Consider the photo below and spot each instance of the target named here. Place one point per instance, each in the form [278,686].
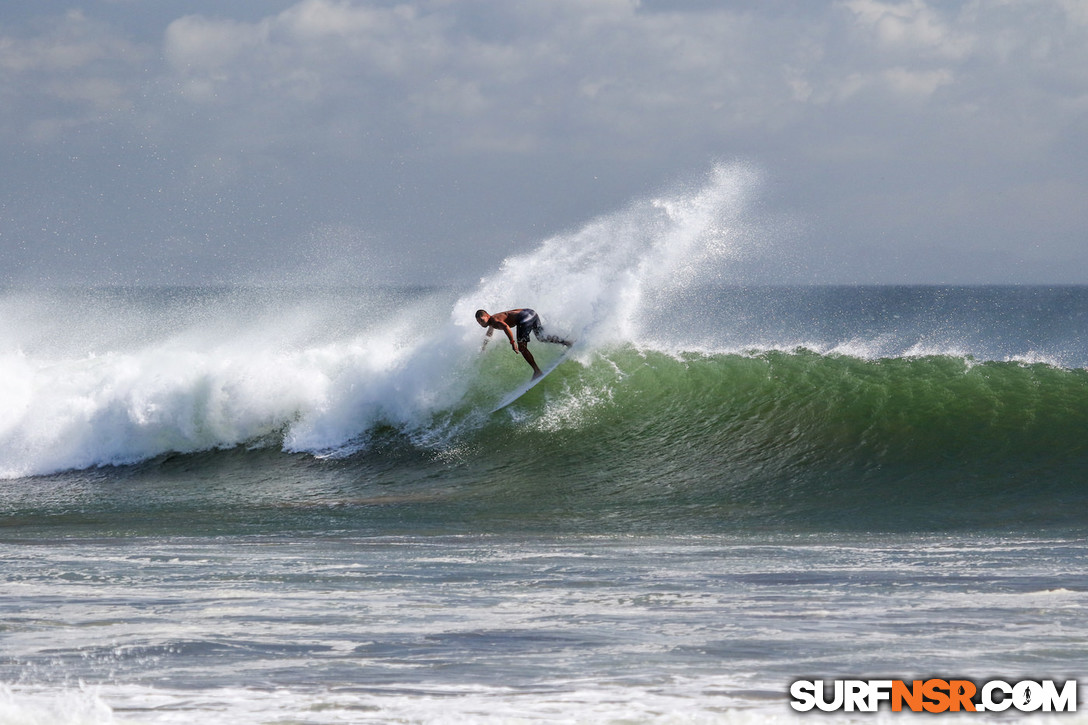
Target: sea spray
[113,377]
[591,283]
[129,375]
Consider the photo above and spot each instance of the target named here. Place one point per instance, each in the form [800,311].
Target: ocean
[278,502]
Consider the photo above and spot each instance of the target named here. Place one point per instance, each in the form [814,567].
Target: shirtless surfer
[526,321]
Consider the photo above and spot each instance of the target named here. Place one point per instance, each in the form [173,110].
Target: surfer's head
[482,317]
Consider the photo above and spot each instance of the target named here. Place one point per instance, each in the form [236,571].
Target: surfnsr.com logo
[934,695]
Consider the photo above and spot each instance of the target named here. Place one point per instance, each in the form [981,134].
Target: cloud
[480,122]
[496,76]
[912,28]
[197,45]
[557,76]
[73,43]
[77,71]
[570,77]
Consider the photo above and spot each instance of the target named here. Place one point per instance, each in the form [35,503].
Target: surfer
[526,321]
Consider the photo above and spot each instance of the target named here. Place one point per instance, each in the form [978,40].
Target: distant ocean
[289,504]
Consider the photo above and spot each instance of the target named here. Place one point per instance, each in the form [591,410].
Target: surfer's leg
[523,346]
[553,338]
[538,330]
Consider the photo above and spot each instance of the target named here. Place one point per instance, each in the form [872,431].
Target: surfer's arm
[509,334]
[487,338]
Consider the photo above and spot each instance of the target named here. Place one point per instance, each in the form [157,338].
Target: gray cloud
[914,141]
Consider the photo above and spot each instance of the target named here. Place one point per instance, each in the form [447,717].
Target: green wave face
[799,436]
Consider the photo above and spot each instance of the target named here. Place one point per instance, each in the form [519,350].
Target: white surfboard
[525,388]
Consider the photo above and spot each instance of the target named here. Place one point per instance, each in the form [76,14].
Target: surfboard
[526,387]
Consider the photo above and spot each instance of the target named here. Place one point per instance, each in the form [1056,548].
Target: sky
[150,142]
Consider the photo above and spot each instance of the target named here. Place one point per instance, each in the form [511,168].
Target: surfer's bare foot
[537,374]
